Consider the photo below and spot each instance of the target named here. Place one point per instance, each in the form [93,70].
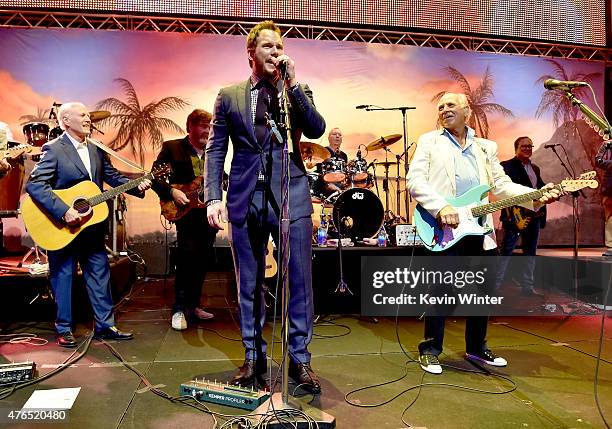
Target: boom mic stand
[284,411]
[402,109]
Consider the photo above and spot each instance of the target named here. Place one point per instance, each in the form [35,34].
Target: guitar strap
[114,154]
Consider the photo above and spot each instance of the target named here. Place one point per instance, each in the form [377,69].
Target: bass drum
[358,213]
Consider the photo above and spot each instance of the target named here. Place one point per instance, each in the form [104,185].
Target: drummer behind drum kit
[342,188]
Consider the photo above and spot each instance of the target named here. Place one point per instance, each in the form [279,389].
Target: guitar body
[437,238]
[271,266]
[521,217]
[52,235]
[172,212]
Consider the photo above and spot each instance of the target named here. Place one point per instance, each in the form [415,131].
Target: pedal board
[224,394]
[11,373]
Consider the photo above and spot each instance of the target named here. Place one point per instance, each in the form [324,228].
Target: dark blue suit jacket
[233,119]
[515,170]
[60,167]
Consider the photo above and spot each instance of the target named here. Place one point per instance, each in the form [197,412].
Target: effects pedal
[11,373]
[224,394]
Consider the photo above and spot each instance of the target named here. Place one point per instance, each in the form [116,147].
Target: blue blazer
[233,119]
[60,167]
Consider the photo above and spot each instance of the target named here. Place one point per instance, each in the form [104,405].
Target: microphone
[362,106]
[371,164]
[551,146]
[282,66]
[564,85]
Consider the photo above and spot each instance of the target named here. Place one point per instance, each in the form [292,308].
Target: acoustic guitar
[86,198]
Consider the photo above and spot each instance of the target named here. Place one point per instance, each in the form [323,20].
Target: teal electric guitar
[473,213]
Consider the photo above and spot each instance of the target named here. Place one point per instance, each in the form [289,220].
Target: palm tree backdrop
[138,126]
[41,115]
[479,100]
[563,112]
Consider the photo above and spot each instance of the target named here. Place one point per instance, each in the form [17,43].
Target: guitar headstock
[15,151]
[585,180]
[161,172]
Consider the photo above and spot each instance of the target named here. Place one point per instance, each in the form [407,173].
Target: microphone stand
[574,202]
[279,401]
[403,109]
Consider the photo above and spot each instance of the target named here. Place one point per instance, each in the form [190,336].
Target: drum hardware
[406,147]
[36,133]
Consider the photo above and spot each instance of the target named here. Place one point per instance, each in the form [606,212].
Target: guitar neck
[508,202]
[111,193]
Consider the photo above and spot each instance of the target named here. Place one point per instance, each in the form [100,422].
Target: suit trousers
[475,326]
[248,241]
[88,251]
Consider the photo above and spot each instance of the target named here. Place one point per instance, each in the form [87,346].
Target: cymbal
[98,115]
[383,141]
[313,152]
[387,163]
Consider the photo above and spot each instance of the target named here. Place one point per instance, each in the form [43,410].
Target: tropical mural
[149,82]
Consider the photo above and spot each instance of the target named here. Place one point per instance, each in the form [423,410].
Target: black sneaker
[430,363]
[488,357]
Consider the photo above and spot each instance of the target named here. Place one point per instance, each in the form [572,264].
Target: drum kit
[343,189]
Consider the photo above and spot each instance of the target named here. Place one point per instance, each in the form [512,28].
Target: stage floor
[551,360]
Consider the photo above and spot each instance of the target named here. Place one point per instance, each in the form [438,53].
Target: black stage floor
[551,362]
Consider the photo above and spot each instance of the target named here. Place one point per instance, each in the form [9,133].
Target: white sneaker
[430,363]
[488,357]
[200,313]
[179,322]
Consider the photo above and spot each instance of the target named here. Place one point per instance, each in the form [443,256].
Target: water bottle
[322,234]
[382,237]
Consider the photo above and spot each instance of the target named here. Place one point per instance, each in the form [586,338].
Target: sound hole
[81,205]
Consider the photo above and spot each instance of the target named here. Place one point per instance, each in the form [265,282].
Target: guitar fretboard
[508,202]
[111,193]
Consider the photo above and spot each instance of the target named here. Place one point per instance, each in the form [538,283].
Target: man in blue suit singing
[254,198]
[66,161]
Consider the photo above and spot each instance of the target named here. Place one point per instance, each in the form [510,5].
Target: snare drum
[334,170]
[36,133]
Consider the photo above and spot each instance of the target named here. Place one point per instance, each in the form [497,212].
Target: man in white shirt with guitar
[66,162]
[447,163]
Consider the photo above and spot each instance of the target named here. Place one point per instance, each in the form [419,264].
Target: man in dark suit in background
[195,237]
[66,161]
[254,198]
[522,171]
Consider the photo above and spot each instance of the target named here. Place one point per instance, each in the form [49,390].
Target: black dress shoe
[251,374]
[305,377]
[66,339]
[113,333]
